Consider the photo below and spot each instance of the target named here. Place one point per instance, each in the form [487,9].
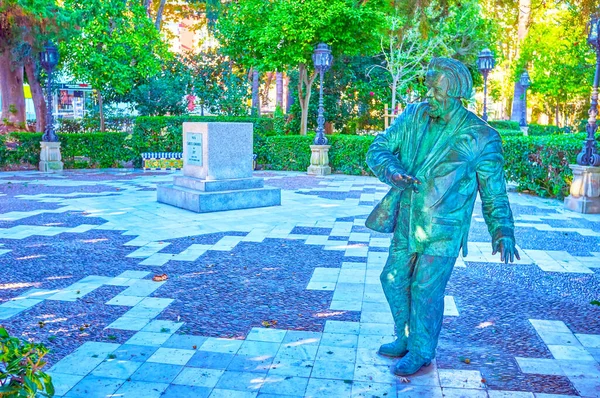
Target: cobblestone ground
[282,301]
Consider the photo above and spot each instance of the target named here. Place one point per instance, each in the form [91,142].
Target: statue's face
[437,94]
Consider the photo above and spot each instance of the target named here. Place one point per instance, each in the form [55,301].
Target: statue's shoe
[395,349]
[410,364]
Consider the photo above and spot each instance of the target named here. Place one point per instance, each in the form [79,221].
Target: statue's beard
[437,108]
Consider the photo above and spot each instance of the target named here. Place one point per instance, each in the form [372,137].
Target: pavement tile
[318,388]
[251,363]
[413,391]
[266,335]
[64,382]
[291,367]
[362,389]
[228,346]
[94,387]
[284,385]
[460,379]
[573,353]
[222,393]
[138,389]
[211,360]
[258,348]
[330,370]
[156,372]
[148,338]
[116,369]
[198,377]
[130,352]
[180,391]
[172,356]
[184,341]
[241,381]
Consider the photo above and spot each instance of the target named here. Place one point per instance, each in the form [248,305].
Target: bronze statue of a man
[436,156]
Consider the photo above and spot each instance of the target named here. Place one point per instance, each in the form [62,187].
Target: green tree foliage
[561,64]
[164,94]
[118,48]
[220,85]
[282,34]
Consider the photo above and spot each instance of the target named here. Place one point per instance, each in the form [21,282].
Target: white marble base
[585,190]
[50,158]
[319,160]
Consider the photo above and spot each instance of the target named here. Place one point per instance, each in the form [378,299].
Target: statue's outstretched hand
[405,180]
[507,249]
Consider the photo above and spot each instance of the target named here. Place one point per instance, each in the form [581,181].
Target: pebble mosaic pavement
[78,251]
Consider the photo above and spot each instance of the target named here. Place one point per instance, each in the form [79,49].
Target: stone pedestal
[50,159]
[217,171]
[585,190]
[319,160]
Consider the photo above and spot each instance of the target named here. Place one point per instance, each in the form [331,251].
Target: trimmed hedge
[80,150]
[504,124]
[291,152]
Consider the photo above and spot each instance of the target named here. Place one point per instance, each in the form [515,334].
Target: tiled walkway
[282,301]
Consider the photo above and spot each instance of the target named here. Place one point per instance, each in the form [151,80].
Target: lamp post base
[319,160]
[50,158]
[585,190]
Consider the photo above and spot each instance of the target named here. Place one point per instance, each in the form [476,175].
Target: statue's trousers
[414,286]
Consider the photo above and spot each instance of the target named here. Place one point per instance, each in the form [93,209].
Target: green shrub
[92,124]
[78,150]
[540,164]
[347,154]
[545,129]
[504,124]
[285,152]
[510,133]
[20,368]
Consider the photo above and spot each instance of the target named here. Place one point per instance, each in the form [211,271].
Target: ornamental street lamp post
[319,160]
[49,60]
[585,189]
[588,155]
[50,158]
[485,63]
[322,60]
[525,82]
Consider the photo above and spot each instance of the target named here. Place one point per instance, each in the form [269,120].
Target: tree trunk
[37,94]
[159,14]
[255,93]
[556,115]
[289,99]
[11,89]
[101,111]
[304,90]
[148,7]
[394,88]
[523,28]
[279,90]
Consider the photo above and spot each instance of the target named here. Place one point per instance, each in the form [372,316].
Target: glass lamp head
[485,61]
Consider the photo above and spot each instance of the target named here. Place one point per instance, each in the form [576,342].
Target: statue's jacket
[466,157]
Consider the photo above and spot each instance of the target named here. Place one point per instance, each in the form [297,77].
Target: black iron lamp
[588,155]
[49,60]
[485,63]
[525,82]
[322,60]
